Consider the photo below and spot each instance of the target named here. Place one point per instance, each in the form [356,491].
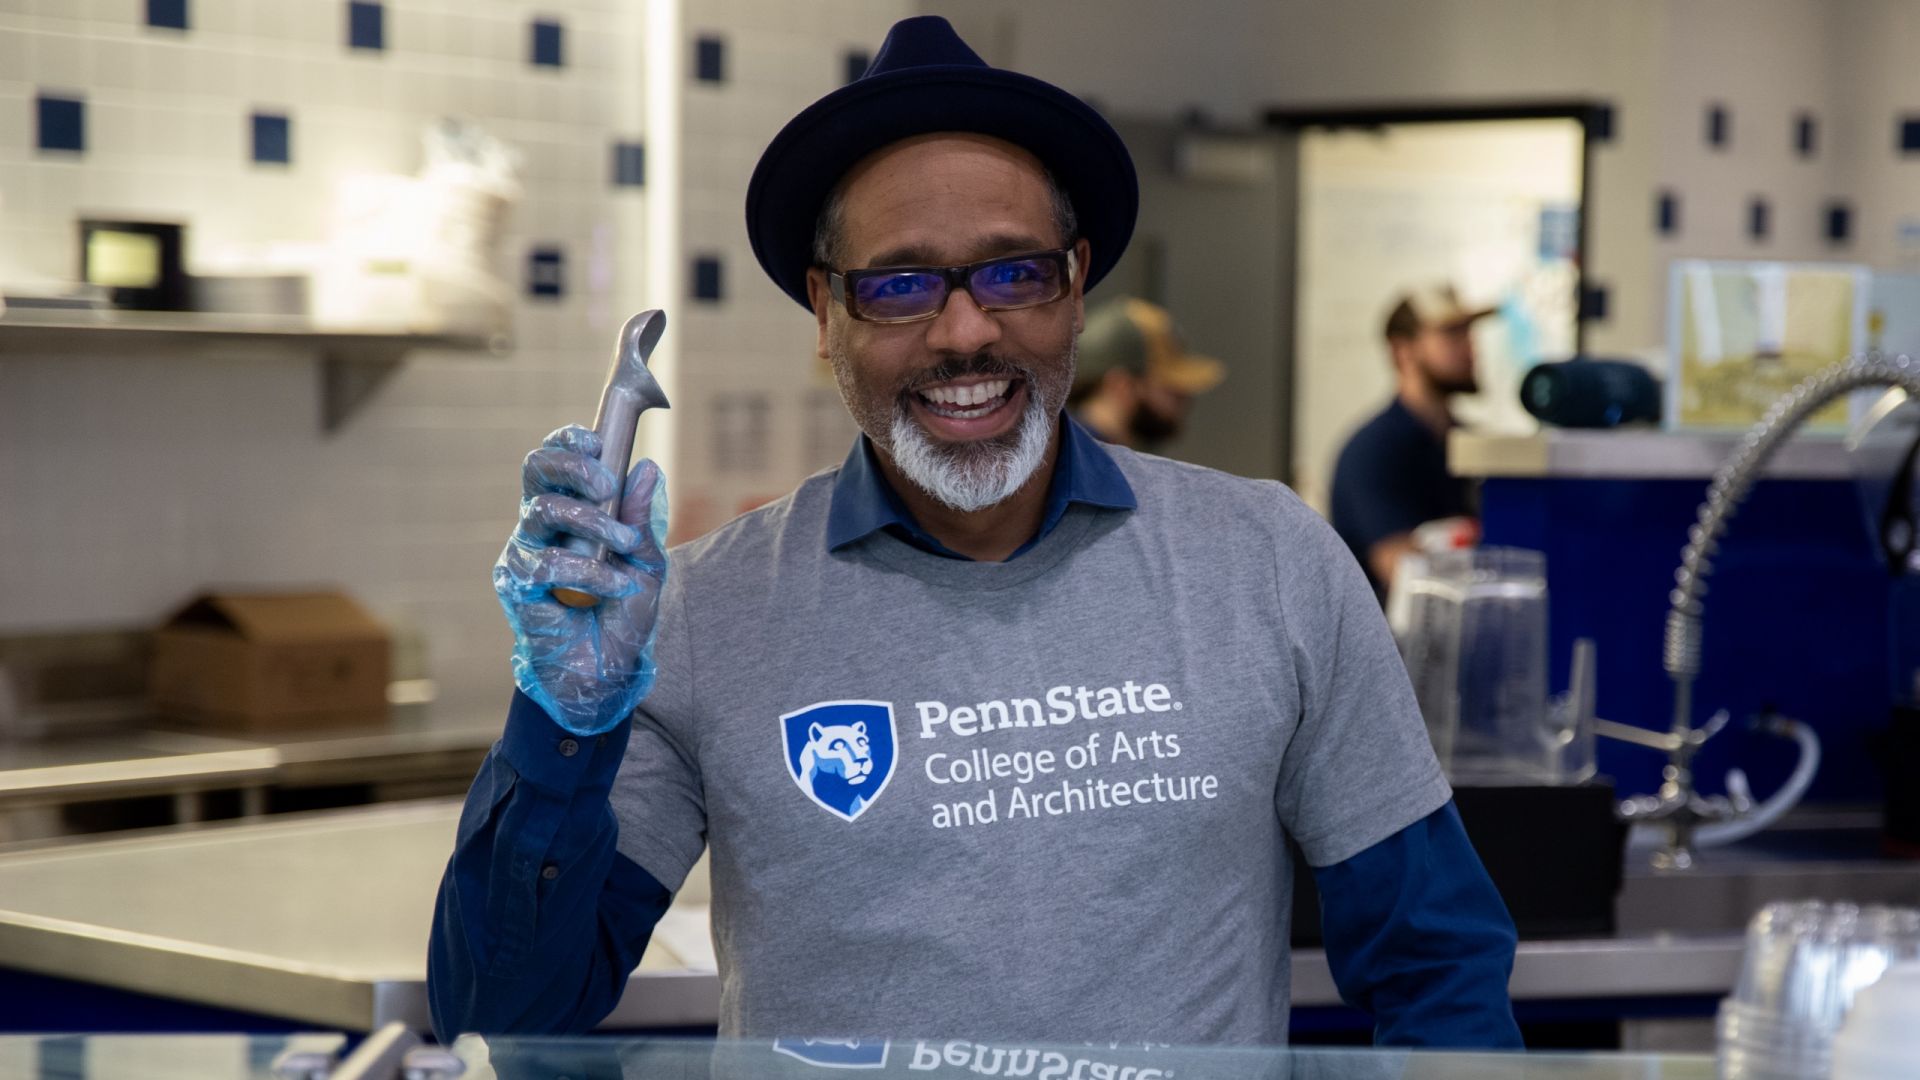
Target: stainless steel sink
[1815,855]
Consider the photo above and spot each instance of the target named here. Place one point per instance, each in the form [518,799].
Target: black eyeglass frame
[840,283]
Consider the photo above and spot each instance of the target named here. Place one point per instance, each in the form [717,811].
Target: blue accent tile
[1594,303]
[546,43]
[1600,123]
[1758,213]
[710,60]
[1839,222]
[1806,135]
[63,123]
[170,14]
[1559,233]
[64,1055]
[366,25]
[629,164]
[1667,214]
[272,139]
[1910,135]
[856,63]
[546,273]
[1719,123]
[706,278]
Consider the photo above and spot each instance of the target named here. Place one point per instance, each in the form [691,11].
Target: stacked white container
[1881,1037]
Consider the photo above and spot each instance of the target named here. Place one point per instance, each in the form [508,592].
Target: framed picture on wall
[1742,334]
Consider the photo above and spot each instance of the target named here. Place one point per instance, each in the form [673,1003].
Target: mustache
[983,364]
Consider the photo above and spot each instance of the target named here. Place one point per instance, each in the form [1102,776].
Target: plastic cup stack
[1805,964]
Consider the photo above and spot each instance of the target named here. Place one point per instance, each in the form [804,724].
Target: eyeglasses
[900,294]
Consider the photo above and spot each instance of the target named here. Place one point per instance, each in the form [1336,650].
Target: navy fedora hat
[925,79]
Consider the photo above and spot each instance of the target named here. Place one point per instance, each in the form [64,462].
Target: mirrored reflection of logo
[840,753]
[836,1053]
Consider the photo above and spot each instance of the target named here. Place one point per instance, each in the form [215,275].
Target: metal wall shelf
[353,364]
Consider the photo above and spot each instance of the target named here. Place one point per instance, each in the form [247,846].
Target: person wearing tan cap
[1391,486]
[1134,381]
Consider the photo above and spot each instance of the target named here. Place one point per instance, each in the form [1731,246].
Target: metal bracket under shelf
[350,380]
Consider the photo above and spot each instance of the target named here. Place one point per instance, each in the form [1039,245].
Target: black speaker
[1589,393]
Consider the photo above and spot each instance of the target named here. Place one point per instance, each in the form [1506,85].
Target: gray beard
[968,476]
[972,476]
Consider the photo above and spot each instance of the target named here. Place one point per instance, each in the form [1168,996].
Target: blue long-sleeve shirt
[539,919]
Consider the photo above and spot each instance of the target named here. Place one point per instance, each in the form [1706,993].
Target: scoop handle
[617,422]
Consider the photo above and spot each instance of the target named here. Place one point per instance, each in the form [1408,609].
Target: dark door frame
[1596,126]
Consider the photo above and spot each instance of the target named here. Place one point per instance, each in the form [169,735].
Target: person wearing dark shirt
[1392,477]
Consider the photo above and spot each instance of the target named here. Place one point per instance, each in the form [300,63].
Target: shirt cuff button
[569,747]
[549,872]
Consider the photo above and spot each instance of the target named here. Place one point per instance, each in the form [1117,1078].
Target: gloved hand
[587,667]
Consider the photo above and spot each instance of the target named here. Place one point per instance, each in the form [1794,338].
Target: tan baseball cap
[1436,306]
[1133,335]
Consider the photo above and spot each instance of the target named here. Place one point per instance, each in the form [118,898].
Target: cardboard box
[267,661]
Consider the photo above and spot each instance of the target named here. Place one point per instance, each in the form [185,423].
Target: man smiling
[992,730]
[975,429]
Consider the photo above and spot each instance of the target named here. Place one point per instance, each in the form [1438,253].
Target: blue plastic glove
[587,667]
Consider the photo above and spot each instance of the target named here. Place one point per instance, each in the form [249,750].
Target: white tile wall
[1657,61]
[756,342]
[129,481]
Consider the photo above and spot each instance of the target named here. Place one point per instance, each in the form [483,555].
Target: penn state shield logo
[840,753]
[836,1053]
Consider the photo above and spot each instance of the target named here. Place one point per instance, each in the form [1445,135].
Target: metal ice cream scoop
[631,390]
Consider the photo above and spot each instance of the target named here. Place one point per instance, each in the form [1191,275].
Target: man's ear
[819,296]
[1397,353]
[1082,256]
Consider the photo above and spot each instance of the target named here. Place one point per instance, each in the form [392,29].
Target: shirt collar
[864,503]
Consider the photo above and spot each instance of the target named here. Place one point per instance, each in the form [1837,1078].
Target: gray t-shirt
[1045,799]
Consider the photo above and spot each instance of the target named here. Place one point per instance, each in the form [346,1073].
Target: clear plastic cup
[1804,967]
[1475,645]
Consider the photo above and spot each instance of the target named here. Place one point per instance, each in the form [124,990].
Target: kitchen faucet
[1677,807]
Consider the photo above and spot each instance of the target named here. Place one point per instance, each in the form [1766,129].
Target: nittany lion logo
[840,753]
[836,1053]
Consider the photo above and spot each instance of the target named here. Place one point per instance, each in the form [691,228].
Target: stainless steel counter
[422,750]
[1631,966]
[1811,855]
[140,762]
[1633,453]
[324,918]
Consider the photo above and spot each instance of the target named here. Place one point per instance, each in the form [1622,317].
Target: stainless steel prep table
[320,918]
[45,773]
[324,919]
[423,750]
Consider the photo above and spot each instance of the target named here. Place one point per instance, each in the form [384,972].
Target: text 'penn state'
[1058,706]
